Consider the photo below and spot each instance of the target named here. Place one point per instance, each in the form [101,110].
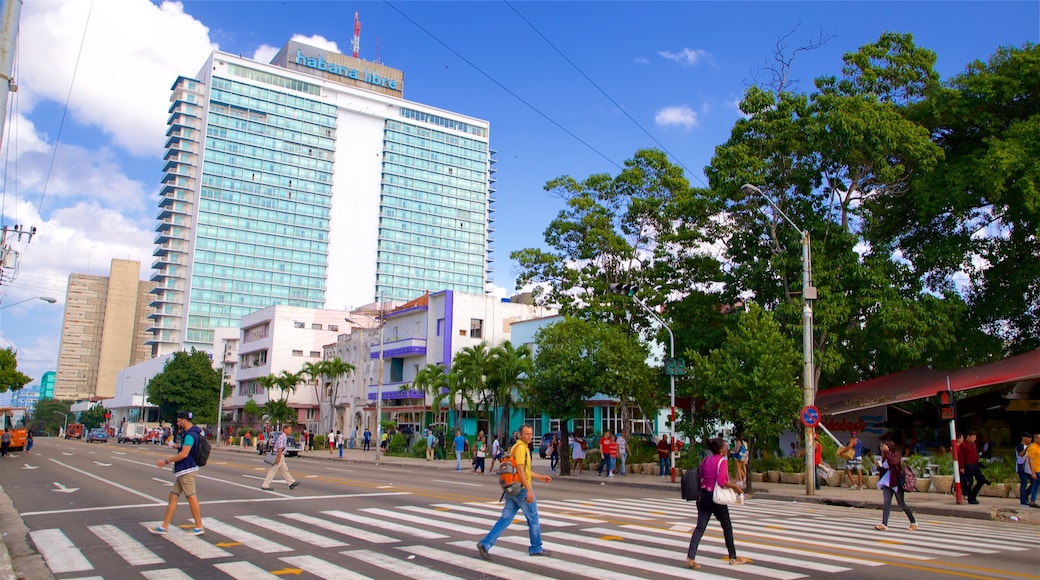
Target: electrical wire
[503,87]
[604,93]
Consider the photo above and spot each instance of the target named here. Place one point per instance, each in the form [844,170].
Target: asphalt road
[87,508]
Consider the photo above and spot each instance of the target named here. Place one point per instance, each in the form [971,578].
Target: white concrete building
[429,330]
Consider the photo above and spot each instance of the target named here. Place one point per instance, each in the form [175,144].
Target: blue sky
[677,68]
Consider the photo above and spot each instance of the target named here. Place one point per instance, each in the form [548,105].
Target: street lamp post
[64,428]
[671,377]
[808,295]
[379,383]
[46,299]
[220,402]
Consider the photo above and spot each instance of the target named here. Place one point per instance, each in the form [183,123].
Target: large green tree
[11,379]
[188,382]
[577,359]
[978,210]
[753,378]
[50,415]
[510,374]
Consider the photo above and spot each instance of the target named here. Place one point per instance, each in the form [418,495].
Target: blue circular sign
[810,416]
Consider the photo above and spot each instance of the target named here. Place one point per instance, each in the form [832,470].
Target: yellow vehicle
[13,418]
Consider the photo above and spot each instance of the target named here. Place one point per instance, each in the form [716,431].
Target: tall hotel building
[311,182]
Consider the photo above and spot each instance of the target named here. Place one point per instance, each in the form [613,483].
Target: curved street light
[808,295]
[46,299]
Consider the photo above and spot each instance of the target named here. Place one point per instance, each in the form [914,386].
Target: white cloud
[684,117]
[641,60]
[266,52]
[122,73]
[686,56]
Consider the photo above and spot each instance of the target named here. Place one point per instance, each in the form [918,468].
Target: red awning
[924,382]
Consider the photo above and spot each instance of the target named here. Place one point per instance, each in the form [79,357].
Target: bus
[13,418]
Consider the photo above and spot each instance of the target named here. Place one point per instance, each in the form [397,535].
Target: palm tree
[433,380]
[507,380]
[472,365]
[332,370]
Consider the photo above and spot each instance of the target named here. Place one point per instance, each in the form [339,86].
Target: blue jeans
[1025,485]
[554,460]
[665,463]
[621,467]
[1032,494]
[458,460]
[530,511]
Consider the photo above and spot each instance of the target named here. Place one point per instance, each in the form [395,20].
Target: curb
[25,563]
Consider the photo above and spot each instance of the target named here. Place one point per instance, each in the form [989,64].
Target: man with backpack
[522,500]
[184,470]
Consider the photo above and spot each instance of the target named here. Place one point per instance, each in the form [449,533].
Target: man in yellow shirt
[524,501]
[1033,457]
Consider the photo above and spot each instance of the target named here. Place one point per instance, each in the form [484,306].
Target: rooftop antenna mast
[355,43]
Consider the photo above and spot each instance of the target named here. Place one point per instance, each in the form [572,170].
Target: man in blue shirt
[184,471]
[460,446]
[431,444]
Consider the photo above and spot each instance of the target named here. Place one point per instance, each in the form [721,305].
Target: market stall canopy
[1023,371]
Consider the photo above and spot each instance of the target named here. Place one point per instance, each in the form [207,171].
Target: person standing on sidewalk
[184,472]
[622,450]
[1025,479]
[496,454]
[891,484]
[856,463]
[279,466]
[971,474]
[339,442]
[664,460]
[714,470]
[524,501]
[459,445]
[368,439]
[431,444]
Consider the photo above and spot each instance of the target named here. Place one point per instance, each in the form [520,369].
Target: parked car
[292,449]
[97,434]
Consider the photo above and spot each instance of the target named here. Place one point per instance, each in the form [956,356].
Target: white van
[131,432]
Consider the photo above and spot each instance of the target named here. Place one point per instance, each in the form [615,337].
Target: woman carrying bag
[714,471]
[891,484]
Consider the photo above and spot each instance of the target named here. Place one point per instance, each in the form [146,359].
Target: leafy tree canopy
[188,382]
[11,379]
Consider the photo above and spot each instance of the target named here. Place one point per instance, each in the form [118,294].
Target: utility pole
[12,13]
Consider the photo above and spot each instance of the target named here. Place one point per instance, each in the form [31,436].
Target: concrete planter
[773,476]
[870,481]
[758,477]
[994,490]
[835,479]
[797,478]
[923,483]
[941,483]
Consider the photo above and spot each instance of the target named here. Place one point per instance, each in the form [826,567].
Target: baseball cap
[184,415]
[853,433]
[1025,434]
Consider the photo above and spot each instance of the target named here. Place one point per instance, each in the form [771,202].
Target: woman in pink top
[714,468]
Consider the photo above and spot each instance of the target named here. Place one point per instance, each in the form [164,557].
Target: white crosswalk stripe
[284,529]
[637,537]
[135,553]
[59,552]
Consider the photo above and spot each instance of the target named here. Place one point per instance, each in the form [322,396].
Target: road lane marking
[323,569]
[244,570]
[115,485]
[459,483]
[450,526]
[60,553]
[193,545]
[397,567]
[135,553]
[564,566]
[251,540]
[385,525]
[372,537]
[468,562]
[306,536]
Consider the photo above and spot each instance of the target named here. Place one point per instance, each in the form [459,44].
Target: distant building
[429,330]
[27,397]
[47,385]
[310,182]
[105,329]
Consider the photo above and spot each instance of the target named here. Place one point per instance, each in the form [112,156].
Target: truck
[132,433]
[75,431]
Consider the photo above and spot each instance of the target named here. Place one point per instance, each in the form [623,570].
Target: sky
[569,88]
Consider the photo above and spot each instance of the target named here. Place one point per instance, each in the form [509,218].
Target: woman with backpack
[891,484]
[714,469]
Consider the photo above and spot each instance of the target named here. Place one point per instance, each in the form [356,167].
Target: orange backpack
[509,474]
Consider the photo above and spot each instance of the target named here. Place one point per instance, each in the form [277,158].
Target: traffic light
[624,289]
[947,408]
[674,367]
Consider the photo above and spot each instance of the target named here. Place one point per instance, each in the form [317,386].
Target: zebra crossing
[636,537]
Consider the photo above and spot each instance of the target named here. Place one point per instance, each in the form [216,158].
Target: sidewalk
[934,504]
